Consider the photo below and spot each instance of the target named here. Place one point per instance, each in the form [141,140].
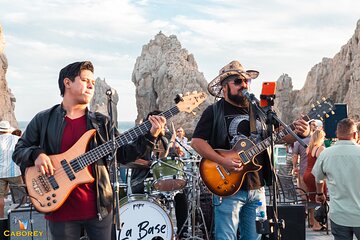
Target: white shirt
[8,167]
[340,165]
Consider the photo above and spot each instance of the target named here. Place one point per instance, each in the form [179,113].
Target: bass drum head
[143,218]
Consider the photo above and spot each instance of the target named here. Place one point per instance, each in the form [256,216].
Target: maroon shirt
[81,203]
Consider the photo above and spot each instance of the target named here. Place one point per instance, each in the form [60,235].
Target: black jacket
[44,133]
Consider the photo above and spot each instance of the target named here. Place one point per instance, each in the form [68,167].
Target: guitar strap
[252,120]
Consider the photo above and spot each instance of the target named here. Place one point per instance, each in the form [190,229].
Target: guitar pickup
[68,170]
[220,172]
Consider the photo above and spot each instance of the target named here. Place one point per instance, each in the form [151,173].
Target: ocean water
[122,125]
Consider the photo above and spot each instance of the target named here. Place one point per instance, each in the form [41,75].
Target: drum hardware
[195,208]
[169,174]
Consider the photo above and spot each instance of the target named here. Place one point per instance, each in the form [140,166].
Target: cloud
[275,37]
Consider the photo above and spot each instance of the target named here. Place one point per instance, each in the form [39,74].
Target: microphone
[250,97]
[110,92]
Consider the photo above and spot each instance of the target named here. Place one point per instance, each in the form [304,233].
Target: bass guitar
[222,182]
[48,193]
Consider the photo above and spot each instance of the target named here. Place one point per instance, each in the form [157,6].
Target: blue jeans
[344,233]
[234,216]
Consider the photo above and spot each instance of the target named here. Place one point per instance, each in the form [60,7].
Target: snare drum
[168,176]
[142,217]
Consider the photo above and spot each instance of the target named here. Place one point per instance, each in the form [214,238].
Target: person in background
[316,146]
[358,131]
[340,166]
[220,127]
[88,206]
[300,157]
[17,132]
[139,175]
[9,172]
[181,143]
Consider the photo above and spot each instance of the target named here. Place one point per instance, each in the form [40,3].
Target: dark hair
[17,132]
[71,71]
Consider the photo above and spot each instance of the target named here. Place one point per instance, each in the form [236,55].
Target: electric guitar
[222,182]
[48,193]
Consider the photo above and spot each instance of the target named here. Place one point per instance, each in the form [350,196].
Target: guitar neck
[95,154]
[260,147]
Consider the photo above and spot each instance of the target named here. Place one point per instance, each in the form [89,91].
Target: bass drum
[141,217]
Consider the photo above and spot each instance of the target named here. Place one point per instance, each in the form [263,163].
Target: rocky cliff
[163,70]
[100,100]
[7,99]
[337,78]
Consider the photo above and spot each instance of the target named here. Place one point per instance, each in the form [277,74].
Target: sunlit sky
[272,36]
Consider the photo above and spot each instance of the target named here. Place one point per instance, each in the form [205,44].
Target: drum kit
[151,215]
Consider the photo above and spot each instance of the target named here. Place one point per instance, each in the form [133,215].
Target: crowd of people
[325,173]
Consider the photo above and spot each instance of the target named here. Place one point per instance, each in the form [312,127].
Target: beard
[238,98]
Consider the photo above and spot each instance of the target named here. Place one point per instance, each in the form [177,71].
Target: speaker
[26,223]
[331,122]
[294,217]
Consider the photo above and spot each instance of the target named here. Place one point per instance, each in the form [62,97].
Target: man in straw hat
[220,127]
[9,171]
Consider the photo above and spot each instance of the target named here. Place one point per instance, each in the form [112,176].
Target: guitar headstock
[321,110]
[189,101]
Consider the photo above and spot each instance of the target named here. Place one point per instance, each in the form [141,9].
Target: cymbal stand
[195,205]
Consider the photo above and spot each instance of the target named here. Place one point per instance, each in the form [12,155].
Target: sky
[271,36]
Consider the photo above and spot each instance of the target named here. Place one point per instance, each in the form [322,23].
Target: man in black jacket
[55,131]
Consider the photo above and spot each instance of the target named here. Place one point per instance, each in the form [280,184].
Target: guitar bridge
[36,187]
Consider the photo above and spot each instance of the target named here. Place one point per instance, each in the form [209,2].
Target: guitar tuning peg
[321,119]
[332,112]
[180,95]
[193,113]
[323,98]
[326,115]
[194,92]
[312,105]
[317,102]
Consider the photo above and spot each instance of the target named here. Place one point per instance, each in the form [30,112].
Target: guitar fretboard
[95,154]
[249,154]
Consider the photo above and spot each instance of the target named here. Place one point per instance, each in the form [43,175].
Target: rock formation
[7,99]
[100,100]
[337,78]
[163,70]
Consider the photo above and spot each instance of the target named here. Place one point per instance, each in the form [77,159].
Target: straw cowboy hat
[5,127]
[233,68]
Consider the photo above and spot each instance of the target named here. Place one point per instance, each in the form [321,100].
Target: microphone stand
[271,118]
[112,158]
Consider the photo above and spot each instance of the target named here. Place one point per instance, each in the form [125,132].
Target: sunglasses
[239,81]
